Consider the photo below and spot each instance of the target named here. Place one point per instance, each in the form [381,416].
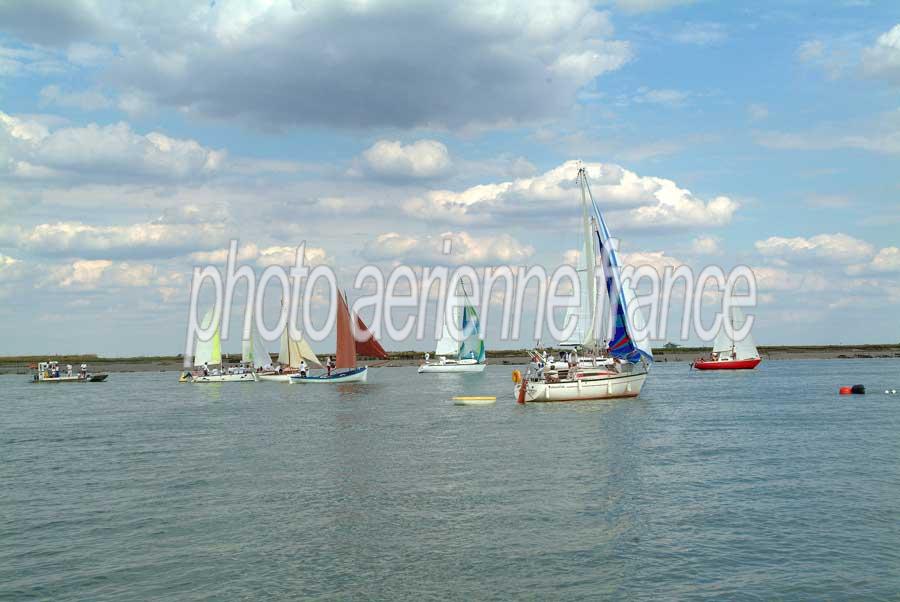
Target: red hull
[727,365]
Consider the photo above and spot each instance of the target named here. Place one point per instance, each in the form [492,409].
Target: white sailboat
[729,354]
[464,355]
[208,367]
[292,353]
[609,367]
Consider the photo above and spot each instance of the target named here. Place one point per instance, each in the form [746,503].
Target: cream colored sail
[293,351]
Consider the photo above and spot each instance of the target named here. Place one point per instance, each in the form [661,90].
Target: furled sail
[208,352]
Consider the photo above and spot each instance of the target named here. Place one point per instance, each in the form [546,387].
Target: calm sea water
[759,486]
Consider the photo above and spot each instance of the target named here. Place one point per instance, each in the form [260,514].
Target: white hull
[275,378]
[247,377]
[610,387]
[451,366]
[355,376]
[62,379]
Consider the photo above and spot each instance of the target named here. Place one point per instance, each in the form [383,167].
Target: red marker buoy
[846,390]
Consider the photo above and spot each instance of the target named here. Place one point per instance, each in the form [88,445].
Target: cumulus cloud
[111,151]
[886,261]
[263,256]
[706,245]
[650,202]
[343,63]
[463,248]
[75,239]
[420,159]
[838,248]
[882,59]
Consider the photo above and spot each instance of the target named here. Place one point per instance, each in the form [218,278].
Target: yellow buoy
[516,376]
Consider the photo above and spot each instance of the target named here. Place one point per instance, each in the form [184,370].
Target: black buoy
[858,389]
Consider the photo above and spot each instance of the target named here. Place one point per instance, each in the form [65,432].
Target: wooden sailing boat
[348,347]
[464,355]
[605,371]
[728,354]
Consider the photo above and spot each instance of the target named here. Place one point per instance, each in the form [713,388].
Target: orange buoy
[846,390]
[516,376]
[521,399]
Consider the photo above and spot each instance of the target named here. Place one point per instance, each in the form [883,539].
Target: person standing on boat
[68,369]
[205,368]
[302,368]
[328,365]
[83,370]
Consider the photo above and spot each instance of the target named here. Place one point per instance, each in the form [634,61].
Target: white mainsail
[448,344]
[743,349]
[585,312]
[254,351]
[208,352]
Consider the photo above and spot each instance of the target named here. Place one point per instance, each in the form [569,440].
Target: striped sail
[628,340]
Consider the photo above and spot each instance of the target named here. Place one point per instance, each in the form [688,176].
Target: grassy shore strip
[20,364]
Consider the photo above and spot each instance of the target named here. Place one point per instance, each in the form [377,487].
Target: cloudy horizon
[137,140]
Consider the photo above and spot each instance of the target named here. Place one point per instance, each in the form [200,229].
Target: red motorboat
[726,364]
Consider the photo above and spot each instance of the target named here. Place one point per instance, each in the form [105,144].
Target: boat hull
[247,377]
[356,375]
[612,387]
[450,368]
[275,378]
[75,378]
[727,364]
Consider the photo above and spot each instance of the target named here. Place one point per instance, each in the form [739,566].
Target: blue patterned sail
[629,340]
[472,345]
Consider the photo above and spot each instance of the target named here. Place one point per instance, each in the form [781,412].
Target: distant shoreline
[19,364]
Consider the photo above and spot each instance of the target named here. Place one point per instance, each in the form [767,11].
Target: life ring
[516,376]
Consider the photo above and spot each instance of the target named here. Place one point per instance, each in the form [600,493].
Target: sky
[138,139]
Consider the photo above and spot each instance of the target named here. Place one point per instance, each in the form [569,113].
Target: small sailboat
[291,356]
[208,366]
[348,347]
[605,370]
[728,354]
[464,355]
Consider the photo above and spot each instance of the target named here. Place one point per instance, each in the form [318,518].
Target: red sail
[366,344]
[346,351]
